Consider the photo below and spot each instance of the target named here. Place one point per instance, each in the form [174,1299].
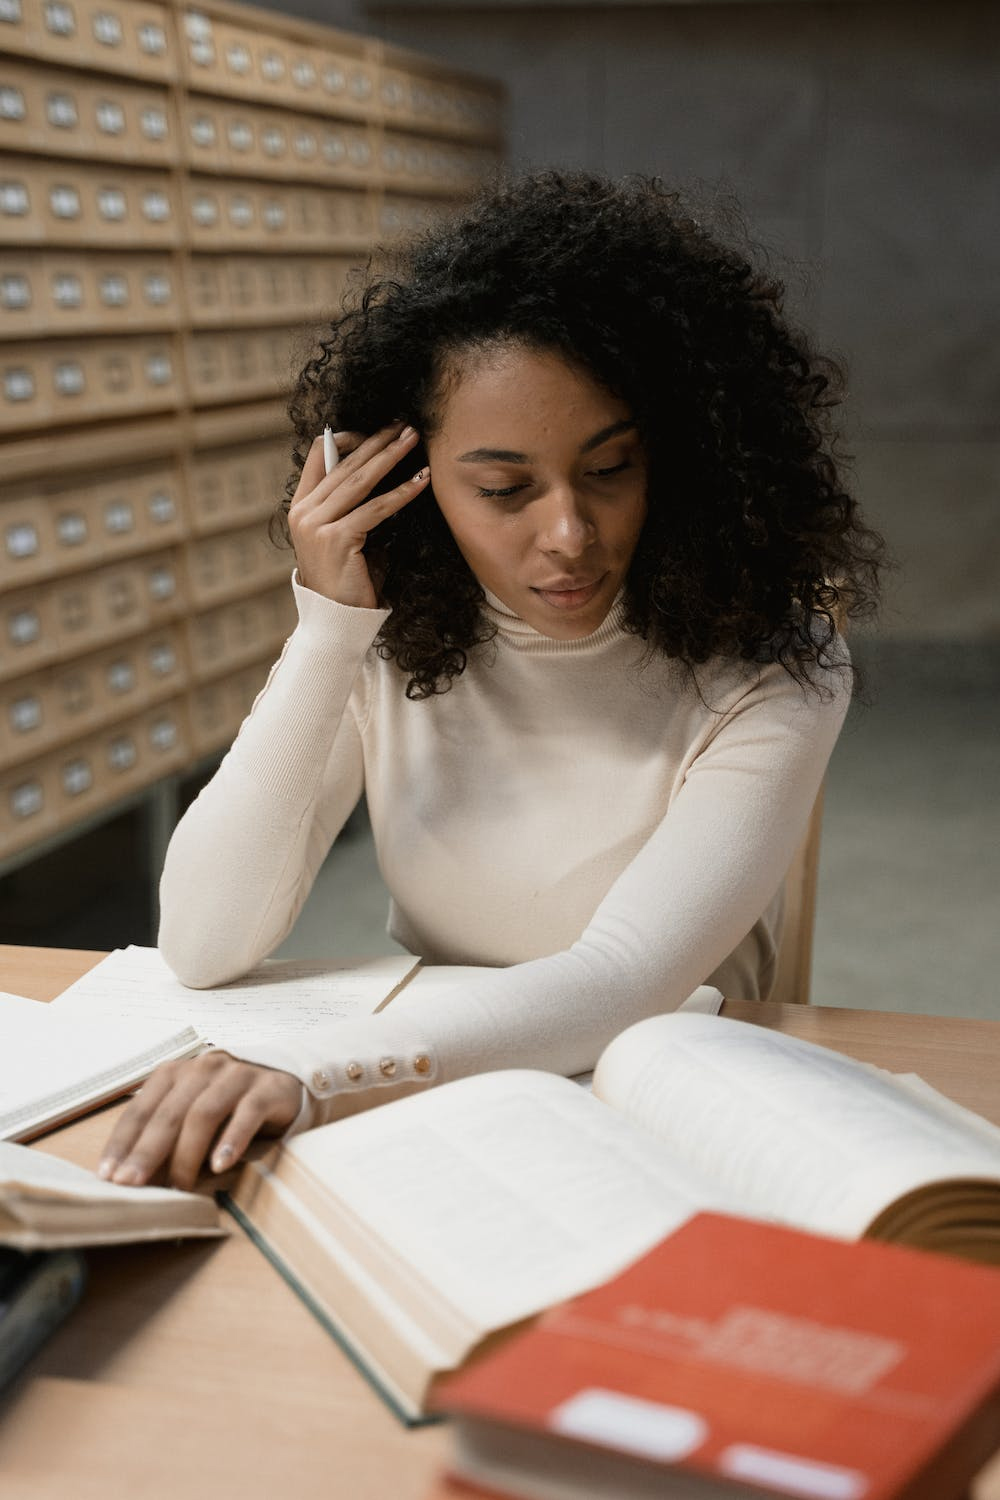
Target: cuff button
[387,1066]
[354,1071]
[421,1063]
[320,1081]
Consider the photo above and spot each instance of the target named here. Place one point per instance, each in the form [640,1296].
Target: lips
[569,593]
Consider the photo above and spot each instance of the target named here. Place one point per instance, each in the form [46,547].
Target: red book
[744,1359]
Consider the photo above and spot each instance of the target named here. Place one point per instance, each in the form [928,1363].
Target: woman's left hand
[212,1103]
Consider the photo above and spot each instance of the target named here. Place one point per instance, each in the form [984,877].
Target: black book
[37,1291]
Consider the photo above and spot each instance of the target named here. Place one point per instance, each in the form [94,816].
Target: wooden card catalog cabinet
[185,190]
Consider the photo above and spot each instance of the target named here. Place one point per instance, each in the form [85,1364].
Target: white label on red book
[792,1474]
[648,1428]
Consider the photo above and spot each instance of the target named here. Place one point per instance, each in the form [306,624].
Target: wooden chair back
[793,971]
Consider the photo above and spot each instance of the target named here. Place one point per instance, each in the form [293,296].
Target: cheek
[630,523]
[470,523]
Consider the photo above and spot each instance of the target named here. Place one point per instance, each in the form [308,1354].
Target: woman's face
[541,476]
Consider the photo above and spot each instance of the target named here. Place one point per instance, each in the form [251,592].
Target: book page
[53,1065]
[806,1135]
[23,1170]
[278,998]
[46,1202]
[504,1192]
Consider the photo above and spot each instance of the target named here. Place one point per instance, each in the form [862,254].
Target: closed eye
[514,488]
[499,494]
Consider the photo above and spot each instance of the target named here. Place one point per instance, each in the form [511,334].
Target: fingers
[355,517]
[348,486]
[180,1112]
[314,468]
[133,1119]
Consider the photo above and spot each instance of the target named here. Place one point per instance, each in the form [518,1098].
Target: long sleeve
[684,901]
[244,856]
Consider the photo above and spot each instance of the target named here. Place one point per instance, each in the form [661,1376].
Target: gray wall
[864,142]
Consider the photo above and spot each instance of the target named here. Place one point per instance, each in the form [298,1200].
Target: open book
[46,1203]
[107,1032]
[419,1229]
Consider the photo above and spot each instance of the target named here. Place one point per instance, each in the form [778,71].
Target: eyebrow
[508,456]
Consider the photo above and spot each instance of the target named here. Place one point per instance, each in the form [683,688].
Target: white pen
[331,458]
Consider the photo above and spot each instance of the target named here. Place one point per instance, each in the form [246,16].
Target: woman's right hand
[330,515]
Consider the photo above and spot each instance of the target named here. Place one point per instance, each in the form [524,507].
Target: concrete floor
[909,898]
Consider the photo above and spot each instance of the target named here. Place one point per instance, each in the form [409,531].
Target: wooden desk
[191,1370]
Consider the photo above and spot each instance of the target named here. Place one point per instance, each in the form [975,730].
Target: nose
[567,528]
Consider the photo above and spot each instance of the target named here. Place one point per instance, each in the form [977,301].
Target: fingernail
[106,1168]
[420,476]
[406,434]
[222,1158]
[128,1176]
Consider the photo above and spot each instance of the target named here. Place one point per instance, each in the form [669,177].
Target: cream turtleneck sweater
[606,831]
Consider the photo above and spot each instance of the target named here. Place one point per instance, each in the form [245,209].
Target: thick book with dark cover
[37,1292]
[741,1359]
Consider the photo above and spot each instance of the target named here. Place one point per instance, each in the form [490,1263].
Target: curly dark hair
[752,547]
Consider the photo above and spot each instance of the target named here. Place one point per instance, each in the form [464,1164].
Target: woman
[566,615]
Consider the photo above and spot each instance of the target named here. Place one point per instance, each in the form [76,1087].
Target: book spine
[36,1296]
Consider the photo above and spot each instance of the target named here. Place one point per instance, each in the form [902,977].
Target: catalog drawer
[73,203]
[135,38]
[73,291]
[228,486]
[232,563]
[60,382]
[52,529]
[76,115]
[68,700]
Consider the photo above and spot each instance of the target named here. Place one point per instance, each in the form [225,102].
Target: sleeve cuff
[323,621]
[349,1067]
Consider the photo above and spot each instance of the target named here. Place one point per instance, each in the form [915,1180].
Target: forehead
[510,392]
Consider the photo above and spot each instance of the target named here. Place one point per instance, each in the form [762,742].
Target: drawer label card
[110,117]
[23,627]
[67,290]
[22,540]
[64,201]
[18,384]
[12,105]
[162,658]
[238,58]
[161,507]
[107,29]
[159,370]
[156,286]
[114,289]
[119,517]
[77,777]
[153,123]
[111,204]
[121,677]
[27,799]
[59,18]
[71,528]
[15,291]
[163,734]
[61,111]
[25,714]
[69,378]
[122,754]
[152,39]
[155,206]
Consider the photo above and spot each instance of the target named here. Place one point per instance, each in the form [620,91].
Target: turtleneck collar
[524,637]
